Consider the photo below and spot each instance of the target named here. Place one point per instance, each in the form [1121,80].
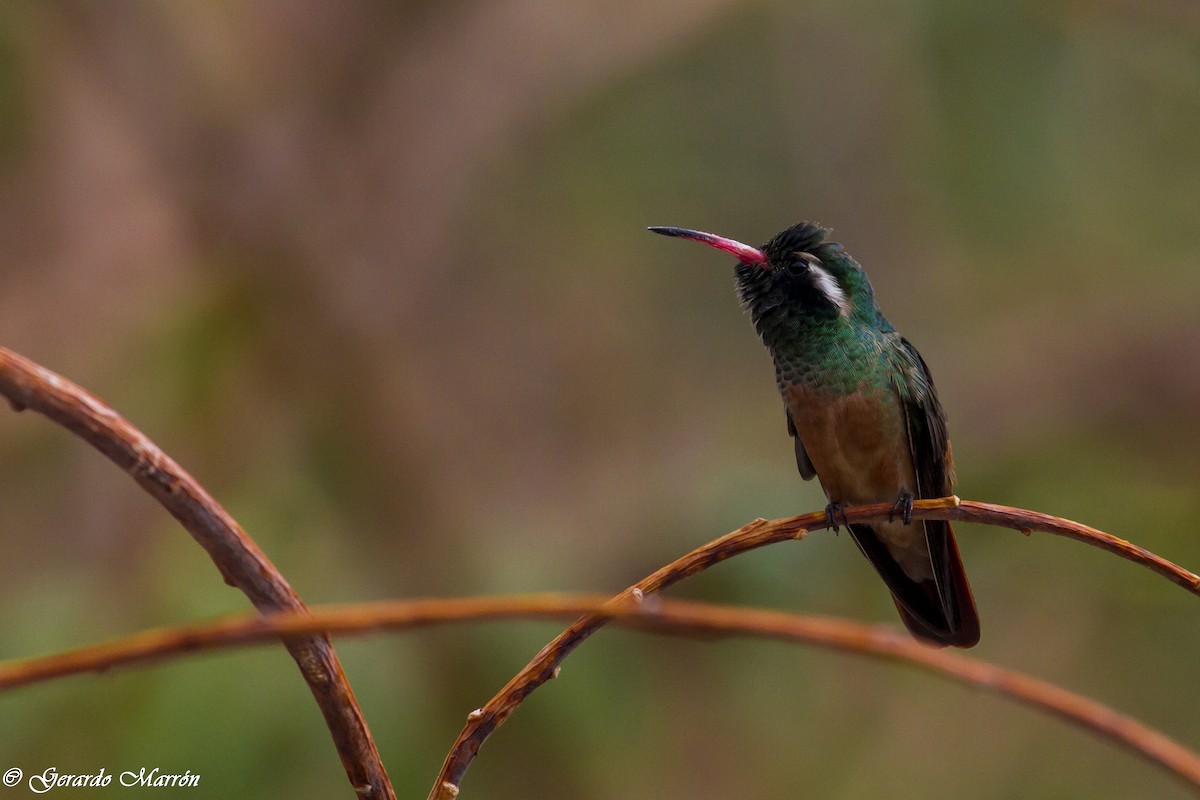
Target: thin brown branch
[659,616]
[1029,521]
[480,724]
[243,565]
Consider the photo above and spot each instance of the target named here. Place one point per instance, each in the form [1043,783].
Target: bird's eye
[798,266]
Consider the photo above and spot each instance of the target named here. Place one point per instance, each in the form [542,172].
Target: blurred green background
[376,274]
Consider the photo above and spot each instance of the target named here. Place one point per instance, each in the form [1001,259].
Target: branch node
[475,715]
[639,596]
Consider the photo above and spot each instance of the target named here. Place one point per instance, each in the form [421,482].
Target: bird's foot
[904,506]
[831,514]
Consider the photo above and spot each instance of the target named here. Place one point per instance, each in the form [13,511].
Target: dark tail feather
[940,611]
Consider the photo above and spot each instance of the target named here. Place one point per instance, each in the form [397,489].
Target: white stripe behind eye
[828,286]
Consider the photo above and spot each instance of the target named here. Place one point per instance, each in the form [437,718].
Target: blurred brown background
[377,274]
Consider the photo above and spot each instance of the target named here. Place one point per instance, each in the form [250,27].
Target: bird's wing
[925,420]
[803,463]
[933,465]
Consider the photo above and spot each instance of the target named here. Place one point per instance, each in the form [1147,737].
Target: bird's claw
[831,512]
[905,506]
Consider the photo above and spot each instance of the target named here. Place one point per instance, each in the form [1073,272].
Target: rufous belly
[858,445]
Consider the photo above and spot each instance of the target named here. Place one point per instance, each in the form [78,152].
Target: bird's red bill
[744,252]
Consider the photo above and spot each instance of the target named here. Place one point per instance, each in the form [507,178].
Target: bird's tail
[939,610]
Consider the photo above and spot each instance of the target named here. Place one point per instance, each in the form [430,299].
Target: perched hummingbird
[863,412]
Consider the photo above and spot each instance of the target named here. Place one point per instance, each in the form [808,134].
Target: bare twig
[28,385]
[1029,521]
[662,616]
[759,533]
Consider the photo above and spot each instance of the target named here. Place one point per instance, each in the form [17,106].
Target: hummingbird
[863,413]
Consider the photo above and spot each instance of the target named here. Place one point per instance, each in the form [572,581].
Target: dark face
[796,284]
[795,278]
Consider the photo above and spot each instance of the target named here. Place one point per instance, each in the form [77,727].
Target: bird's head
[796,278]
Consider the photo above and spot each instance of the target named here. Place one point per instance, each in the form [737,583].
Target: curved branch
[241,563]
[761,532]
[1029,521]
[661,616]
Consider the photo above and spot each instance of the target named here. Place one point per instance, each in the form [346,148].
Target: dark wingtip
[938,632]
[940,617]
